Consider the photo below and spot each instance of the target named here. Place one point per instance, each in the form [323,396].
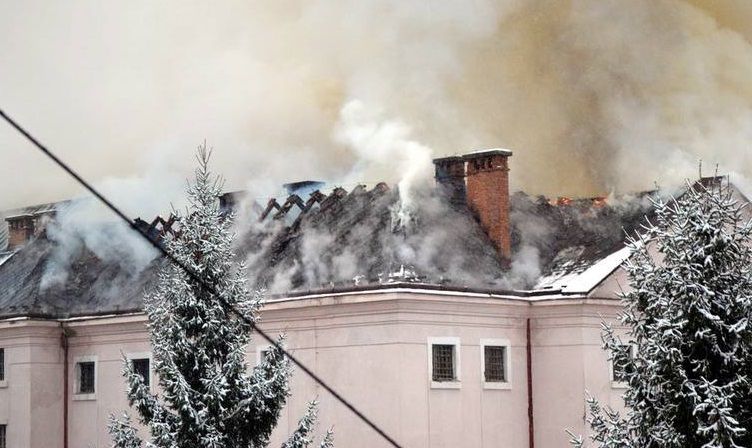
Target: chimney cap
[487,153]
[29,215]
[448,159]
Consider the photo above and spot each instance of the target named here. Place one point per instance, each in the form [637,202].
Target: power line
[195,277]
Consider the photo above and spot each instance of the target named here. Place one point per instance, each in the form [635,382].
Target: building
[474,323]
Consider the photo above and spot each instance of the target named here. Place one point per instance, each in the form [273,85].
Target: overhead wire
[195,277]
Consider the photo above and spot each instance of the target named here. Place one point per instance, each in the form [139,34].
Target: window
[495,364]
[620,365]
[86,377]
[3,429]
[2,364]
[261,353]
[495,368]
[444,362]
[141,364]
[141,367]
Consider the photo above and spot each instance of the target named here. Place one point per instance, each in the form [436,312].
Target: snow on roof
[583,281]
[33,210]
[5,256]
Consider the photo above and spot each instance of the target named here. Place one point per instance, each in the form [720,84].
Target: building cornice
[360,302]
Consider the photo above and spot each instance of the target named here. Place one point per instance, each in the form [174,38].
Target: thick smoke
[593,95]
[82,226]
[85,225]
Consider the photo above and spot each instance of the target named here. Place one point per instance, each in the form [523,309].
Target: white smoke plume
[592,95]
[84,225]
[380,146]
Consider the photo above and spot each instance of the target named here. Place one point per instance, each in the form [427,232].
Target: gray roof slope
[91,287]
[348,240]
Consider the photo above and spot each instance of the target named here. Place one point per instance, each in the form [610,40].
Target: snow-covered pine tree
[689,369]
[208,398]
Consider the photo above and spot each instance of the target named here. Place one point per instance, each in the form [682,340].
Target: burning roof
[468,233]
[91,286]
[571,235]
[348,239]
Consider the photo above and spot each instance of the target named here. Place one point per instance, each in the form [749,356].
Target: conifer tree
[208,397]
[687,357]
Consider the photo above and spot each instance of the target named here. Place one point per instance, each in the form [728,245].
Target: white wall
[373,349]
[31,399]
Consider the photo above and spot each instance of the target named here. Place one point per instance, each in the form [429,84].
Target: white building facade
[518,368]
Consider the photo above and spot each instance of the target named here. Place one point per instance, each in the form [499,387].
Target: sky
[593,96]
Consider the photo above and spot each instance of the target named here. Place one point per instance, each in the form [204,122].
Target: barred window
[495,363]
[141,367]
[620,364]
[86,377]
[443,362]
[2,365]
[2,436]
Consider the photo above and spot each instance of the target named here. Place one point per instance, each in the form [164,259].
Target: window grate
[86,372]
[495,363]
[2,364]
[2,435]
[141,367]
[443,362]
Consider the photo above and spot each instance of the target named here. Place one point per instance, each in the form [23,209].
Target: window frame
[497,385]
[456,361]
[78,396]
[143,355]
[614,383]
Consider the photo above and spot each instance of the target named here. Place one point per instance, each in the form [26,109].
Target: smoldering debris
[564,235]
[354,239]
[357,237]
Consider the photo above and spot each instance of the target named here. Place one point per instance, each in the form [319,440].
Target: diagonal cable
[195,277]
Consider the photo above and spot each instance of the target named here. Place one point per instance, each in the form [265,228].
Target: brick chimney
[488,194]
[450,176]
[481,179]
[22,228]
